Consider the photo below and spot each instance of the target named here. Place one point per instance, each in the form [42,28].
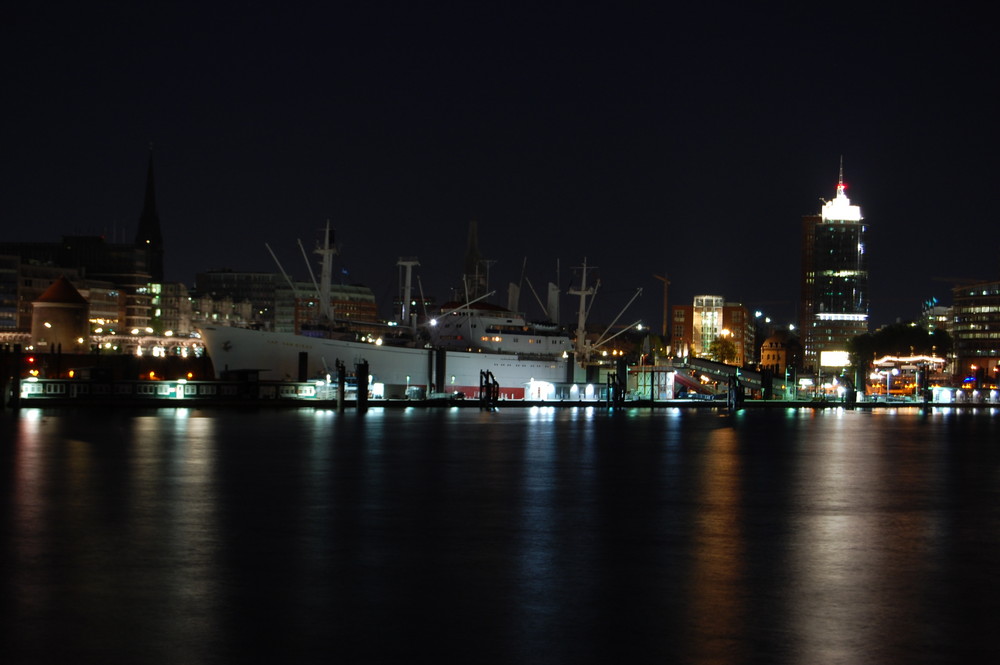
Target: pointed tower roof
[149,221]
[149,236]
[62,292]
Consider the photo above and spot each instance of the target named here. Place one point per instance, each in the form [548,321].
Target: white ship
[399,370]
[449,355]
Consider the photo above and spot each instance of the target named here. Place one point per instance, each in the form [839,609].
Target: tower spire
[149,236]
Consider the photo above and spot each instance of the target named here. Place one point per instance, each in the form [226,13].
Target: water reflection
[716,586]
[548,535]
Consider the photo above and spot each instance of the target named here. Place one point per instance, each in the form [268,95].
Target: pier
[122,393]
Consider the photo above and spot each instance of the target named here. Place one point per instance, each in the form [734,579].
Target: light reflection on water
[524,535]
[716,600]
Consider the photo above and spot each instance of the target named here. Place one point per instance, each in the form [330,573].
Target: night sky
[681,141]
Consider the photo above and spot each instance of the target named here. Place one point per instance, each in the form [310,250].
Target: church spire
[149,236]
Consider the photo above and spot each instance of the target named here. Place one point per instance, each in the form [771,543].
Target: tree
[898,339]
[722,349]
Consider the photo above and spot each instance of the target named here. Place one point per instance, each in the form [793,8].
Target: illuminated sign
[834,359]
[826,316]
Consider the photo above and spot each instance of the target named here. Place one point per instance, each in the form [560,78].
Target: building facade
[255,289]
[171,308]
[976,331]
[834,296]
[695,327]
[23,283]
[264,300]
[60,320]
[779,352]
[126,268]
[9,283]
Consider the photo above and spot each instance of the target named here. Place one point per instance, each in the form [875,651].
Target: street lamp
[888,374]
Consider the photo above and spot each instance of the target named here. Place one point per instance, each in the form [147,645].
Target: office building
[976,332]
[834,296]
[696,326]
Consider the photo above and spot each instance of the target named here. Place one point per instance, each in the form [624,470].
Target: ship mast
[327,252]
[405,296]
[581,332]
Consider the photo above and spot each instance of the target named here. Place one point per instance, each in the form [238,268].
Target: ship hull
[286,356]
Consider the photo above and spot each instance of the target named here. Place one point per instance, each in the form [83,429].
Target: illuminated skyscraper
[834,305]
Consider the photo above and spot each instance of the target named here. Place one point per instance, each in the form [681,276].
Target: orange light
[190,375]
[152,375]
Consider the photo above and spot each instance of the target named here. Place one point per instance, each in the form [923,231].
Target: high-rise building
[834,304]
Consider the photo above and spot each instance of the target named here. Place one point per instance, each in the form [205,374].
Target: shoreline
[352,405]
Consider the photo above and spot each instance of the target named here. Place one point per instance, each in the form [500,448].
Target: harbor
[35,393]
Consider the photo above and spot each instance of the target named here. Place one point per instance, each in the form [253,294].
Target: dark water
[523,536]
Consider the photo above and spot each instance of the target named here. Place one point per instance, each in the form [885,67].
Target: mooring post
[5,367]
[489,390]
[362,386]
[341,384]
[15,381]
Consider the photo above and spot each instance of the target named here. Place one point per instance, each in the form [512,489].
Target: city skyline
[622,138]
